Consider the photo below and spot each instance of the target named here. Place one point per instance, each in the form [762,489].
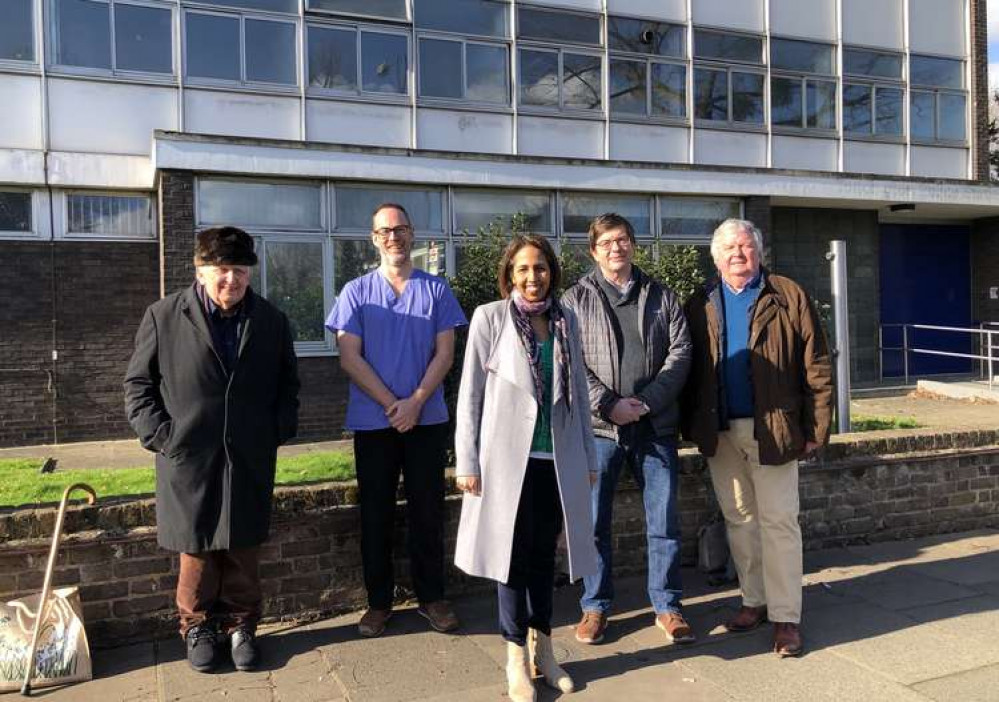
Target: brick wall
[893,487]
[980,89]
[984,269]
[176,209]
[757,210]
[101,290]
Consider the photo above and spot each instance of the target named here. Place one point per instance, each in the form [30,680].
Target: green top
[542,440]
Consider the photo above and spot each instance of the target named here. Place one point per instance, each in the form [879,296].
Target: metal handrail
[986,343]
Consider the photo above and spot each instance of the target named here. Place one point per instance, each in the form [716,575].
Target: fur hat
[224,246]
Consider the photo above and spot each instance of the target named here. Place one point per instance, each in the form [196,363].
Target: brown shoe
[373,622]
[787,639]
[747,619]
[440,615]
[676,627]
[591,627]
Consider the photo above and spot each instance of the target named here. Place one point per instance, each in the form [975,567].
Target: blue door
[926,279]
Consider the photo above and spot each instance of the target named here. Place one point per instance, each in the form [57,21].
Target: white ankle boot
[543,660]
[518,676]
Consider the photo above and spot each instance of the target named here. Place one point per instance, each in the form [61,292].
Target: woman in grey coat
[525,456]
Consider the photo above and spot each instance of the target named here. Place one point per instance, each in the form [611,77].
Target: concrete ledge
[962,390]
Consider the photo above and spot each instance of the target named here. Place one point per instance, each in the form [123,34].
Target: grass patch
[22,484]
[875,423]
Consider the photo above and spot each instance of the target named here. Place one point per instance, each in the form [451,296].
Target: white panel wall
[239,114]
[453,130]
[937,26]
[21,123]
[865,157]
[873,23]
[804,18]
[112,118]
[552,136]
[730,148]
[939,162]
[357,123]
[642,142]
[737,14]
[805,154]
[675,10]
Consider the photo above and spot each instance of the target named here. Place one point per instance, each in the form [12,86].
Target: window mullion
[464,69]
[111,37]
[729,97]
[359,77]
[561,80]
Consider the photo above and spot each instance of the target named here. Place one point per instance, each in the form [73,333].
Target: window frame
[38,208]
[360,94]
[465,41]
[650,60]
[729,123]
[34,65]
[358,16]
[242,83]
[937,92]
[601,45]
[805,78]
[320,184]
[61,209]
[596,113]
[52,45]
[764,48]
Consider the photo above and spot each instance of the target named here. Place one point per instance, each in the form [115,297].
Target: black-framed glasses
[403,230]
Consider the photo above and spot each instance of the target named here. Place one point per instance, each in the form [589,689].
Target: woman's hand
[593,478]
[469,484]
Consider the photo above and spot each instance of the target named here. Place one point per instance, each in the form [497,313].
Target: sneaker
[202,642]
[787,639]
[373,622]
[591,627]
[676,627]
[747,619]
[440,615]
[245,653]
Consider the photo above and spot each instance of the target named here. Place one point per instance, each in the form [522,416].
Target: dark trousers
[380,456]
[220,585]
[525,599]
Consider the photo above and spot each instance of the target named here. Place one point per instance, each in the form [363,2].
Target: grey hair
[734,225]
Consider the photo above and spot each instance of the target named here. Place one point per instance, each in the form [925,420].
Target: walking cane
[47,585]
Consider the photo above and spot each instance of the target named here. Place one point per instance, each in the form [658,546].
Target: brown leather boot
[787,639]
[747,618]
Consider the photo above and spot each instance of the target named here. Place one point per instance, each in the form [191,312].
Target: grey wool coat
[216,435]
[497,409]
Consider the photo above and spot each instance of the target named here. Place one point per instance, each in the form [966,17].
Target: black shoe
[202,642]
[245,654]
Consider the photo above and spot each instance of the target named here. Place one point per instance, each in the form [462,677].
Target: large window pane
[940,72]
[17,40]
[786,102]
[429,255]
[463,16]
[270,52]
[579,209]
[392,9]
[475,209]
[821,105]
[260,205]
[690,219]
[487,73]
[383,63]
[628,81]
[747,97]
[729,47]
[440,68]
[669,90]
[84,34]
[888,111]
[952,116]
[856,109]
[213,46]
[295,285]
[333,58]
[352,258]
[142,37]
[804,56]
[549,25]
[860,62]
[270,5]
[922,120]
[355,204]
[111,215]
[539,78]
[581,88]
[645,36]
[710,94]
[15,212]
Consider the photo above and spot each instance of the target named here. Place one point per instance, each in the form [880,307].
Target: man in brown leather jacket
[758,398]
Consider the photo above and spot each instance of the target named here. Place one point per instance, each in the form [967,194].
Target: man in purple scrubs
[395,329]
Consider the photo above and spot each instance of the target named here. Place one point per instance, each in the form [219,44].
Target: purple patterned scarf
[523,310]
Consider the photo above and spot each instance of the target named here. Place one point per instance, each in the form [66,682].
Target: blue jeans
[654,464]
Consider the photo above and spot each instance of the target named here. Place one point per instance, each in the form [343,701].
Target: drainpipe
[54,289]
[841,352]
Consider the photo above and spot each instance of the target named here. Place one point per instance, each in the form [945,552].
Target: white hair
[735,225]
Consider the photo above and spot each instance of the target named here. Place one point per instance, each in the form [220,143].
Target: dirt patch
[931,411]
[921,394]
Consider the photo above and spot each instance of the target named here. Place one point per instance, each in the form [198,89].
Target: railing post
[988,356]
[905,352]
[841,316]
[881,354]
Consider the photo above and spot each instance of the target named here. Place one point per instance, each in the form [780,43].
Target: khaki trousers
[760,505]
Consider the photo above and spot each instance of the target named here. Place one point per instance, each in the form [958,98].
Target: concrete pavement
[907,621]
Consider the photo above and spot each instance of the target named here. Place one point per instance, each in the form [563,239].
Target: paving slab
[128,675]
[981,685]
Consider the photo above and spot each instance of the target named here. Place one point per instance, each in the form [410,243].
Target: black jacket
[216,434]
[667,350]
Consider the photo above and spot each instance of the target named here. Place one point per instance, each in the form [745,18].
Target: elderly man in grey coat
[212,388]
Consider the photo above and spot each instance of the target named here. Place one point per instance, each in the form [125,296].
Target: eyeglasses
[403,230]
[622,242]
